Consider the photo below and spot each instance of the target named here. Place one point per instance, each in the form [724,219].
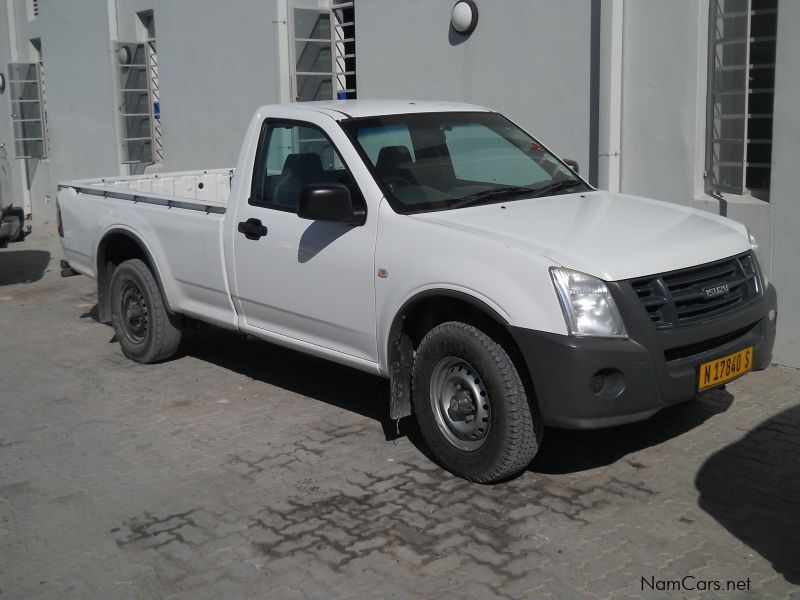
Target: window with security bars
[138,103]
[740,96]
[27,109]
[323,52]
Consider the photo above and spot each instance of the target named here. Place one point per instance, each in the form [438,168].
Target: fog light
[607,383]
[598,381]
[771,314]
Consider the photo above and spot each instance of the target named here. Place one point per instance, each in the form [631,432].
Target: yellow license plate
[724,369]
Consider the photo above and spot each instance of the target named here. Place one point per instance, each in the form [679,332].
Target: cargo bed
[206,190]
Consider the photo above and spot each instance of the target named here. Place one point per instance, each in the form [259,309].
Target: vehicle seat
[393,163]
[299,170]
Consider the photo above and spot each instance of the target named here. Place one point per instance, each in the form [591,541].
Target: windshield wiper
[492,194]
[556,186]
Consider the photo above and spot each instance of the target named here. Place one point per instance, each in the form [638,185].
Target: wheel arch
[116,246]
[418,315]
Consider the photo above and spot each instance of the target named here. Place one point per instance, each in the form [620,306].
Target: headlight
[588,306]
[757,252]
[753,242]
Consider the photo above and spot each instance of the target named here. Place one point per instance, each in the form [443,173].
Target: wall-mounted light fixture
[124,55]
[464,17]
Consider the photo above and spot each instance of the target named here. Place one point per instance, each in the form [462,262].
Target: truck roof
[345,109]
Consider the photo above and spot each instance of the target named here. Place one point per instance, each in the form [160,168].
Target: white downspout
[611,88]
[12,29]
[284,66]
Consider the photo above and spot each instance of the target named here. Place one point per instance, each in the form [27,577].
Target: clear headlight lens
[757,252]
[753,242]
[588,306]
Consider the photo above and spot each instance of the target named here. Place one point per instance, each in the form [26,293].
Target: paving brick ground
[243,470]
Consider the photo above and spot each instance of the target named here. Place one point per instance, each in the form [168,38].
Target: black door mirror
[329,202]
[572,164]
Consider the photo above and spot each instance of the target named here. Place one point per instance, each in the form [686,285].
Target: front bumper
[650,370]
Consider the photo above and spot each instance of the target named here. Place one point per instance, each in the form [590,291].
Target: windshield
[439,161]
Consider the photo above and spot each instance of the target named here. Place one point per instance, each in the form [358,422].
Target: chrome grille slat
[686,312]
[697,276]
[683,296]
[679,297]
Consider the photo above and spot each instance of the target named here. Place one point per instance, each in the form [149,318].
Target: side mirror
[572,164]
[329,202]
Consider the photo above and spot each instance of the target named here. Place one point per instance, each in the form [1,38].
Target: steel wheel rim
[460,403]
[133,312]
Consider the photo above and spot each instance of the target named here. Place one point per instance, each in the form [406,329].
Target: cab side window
[290,157]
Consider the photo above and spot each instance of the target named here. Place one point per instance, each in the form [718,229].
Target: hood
[608,235]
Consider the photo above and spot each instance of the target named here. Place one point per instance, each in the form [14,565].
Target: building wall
[665,44]
[217,63]
[529,60]
[665,90]
[79,100]
[785,195]
[664,133]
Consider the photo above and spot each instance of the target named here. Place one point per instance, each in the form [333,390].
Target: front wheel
[471,405]
[146,331]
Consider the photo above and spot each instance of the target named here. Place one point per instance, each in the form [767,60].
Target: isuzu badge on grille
[717,290]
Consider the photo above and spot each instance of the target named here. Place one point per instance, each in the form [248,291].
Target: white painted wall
[785,193]
[662,54]
[218,63]
[78,95]
[664,130]
[529,60]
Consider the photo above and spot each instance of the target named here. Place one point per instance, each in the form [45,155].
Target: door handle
[252,229]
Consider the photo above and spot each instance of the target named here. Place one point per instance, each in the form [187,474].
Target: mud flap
[400,374]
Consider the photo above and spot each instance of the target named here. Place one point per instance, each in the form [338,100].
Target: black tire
[456,352]
[146,331]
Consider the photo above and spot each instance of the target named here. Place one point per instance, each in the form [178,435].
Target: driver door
[312,281]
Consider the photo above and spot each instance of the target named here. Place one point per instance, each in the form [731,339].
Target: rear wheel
[471,405]
[146,331]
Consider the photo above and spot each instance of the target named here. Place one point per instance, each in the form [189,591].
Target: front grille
[698,294]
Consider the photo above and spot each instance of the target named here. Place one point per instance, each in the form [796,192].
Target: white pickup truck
[443,247]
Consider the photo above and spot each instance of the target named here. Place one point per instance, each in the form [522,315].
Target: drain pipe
[612,36]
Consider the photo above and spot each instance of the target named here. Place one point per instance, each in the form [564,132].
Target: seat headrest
[303,166]
[391,158]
